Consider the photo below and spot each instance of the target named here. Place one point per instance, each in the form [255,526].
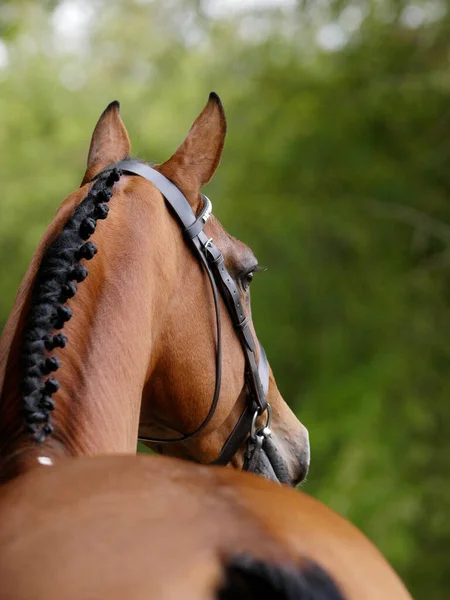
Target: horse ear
[197,158]
[109,143]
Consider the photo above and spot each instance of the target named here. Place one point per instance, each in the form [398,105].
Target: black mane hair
[246,578]
[60,268]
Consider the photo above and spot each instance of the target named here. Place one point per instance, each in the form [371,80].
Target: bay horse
[140,526]
[157,527]
[157,340]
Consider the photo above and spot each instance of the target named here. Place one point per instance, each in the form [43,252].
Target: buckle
[212,253]
[207,208]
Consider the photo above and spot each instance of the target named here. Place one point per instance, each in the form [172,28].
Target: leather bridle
[212,260]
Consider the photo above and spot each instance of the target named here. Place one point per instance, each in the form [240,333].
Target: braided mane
[55,283]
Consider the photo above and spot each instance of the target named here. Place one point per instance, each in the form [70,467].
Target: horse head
[134,318]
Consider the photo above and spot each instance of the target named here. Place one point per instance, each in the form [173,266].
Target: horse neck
[110,337]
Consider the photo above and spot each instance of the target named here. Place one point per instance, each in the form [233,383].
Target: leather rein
[212,260]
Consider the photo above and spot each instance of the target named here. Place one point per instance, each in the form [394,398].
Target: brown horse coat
[144,527]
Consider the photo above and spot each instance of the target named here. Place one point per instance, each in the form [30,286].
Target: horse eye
[247,280]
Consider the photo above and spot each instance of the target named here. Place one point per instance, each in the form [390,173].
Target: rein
[210,257]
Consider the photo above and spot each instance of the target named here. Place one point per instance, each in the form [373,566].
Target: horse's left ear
[197,158]
[110,142]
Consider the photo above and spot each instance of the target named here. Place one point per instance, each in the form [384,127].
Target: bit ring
[265,431]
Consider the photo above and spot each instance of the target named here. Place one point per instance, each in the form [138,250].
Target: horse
[159,527]
[123,525]
[158,341]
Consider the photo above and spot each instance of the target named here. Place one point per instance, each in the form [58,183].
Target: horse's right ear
[110,142]
[198,156]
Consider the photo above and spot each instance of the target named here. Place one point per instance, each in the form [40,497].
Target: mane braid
[60,268]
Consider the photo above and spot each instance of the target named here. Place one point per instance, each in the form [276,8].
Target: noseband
[210,257]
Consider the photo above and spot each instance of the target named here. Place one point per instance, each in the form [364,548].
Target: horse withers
[134,318]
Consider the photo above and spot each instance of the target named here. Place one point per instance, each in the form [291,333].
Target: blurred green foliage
[337,173]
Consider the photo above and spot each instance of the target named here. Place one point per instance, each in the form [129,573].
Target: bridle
[212,260]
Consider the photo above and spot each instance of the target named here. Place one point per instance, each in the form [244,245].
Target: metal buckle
[262,432]
[207,209]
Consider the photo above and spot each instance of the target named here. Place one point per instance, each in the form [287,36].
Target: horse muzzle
[265,457]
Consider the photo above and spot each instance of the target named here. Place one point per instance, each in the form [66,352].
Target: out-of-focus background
[336,171]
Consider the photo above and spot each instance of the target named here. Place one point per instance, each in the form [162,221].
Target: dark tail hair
[246,578]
